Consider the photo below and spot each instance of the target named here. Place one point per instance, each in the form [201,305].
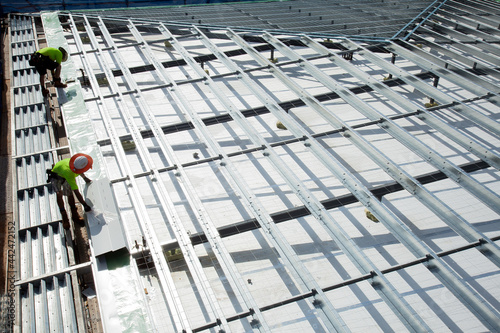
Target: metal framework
[250,170]
[45,268]
[358,19]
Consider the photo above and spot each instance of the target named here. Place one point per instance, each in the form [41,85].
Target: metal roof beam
[439,67]
[456,222]
[481,22]
[170,294]
[474,147]
[475,9]
[354,280]
[205,222]
[384,288]
[167,203]
[328,313]
[478,51]
[463,29]
[82,268]
[338,201]
[440,269]
[461,78]
[443,98]
[225,117]
[421,18]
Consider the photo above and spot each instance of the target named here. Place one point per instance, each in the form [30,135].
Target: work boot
[58,83]
[65,220]
[76,217]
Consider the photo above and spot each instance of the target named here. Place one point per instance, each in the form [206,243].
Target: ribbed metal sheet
[30,116]
[46,304]
[31,170]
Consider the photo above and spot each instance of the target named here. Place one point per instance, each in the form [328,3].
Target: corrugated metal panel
[48,306]
[46,303]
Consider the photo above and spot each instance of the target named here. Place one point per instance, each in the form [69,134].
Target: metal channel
[423,20]
[487,196]
[455,221]
[30,315]
[440,68]
[467,18]
[43,317]
[81,268]
[462,43]
[463,28]
[365,277]
[166,281]
[179,26]
[181,234]
[69,303]
[395,301]
[459,106]
[167,203]
[435,264]
[213,237]
[330,316]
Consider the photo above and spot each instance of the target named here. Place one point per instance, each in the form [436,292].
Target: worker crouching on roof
[63,179]
[49,58]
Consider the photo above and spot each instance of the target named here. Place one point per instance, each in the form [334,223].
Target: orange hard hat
[79,163]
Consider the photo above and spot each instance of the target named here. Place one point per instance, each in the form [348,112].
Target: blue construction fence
[24,6]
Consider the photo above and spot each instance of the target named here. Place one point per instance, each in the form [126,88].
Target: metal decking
[361,18]
[269,181]
[45,292]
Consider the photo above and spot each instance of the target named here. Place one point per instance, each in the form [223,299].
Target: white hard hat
[81,162]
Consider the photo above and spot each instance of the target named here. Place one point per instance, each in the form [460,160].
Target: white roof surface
[192,168]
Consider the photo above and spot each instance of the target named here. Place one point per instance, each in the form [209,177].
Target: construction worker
[63,179]
[49,58]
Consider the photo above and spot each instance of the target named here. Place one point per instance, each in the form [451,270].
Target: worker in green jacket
[63,179]
[49,58]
